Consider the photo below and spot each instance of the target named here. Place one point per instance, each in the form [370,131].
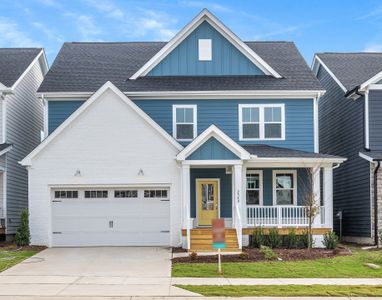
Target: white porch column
[185,195]
[328,196]
[238,197]
[317,194]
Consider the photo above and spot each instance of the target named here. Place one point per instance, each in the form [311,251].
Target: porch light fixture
[141,173]
[77,173]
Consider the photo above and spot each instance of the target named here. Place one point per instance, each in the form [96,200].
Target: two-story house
[21,122]
[351,126]
[148,142]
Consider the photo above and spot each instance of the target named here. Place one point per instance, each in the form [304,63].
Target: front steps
[201,240]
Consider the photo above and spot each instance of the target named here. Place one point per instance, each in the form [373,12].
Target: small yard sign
[218,239]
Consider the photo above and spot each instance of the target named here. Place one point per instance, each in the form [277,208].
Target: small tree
[312,205]
[22,237]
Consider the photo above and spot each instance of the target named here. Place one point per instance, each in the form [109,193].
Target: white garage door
[111,217]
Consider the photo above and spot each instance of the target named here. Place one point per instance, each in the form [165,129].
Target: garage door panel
[110,221]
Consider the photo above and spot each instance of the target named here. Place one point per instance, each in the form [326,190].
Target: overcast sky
[315,26]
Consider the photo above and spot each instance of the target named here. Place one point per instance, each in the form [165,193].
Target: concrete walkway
[276,281]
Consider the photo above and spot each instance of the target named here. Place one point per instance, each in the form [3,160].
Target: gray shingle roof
[352,69]
[271,151]
[84,67]
[13,63]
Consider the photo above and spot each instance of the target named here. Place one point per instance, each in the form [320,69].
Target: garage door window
[96,194]
[155,194]
[126,194]
[65,194]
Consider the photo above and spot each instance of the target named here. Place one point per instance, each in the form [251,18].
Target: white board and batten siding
[24,122]
[102,146]
[140,218]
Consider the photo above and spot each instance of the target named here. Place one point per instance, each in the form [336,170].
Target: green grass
[338,267]
[10,258]
[285,290]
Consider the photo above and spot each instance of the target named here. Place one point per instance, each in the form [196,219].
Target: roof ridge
[318,53]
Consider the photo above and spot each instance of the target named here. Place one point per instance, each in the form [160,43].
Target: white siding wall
[109,143]
[24,121]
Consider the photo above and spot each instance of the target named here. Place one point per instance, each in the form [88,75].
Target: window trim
[274,189]
[174,123]
[261,190]
[262,122]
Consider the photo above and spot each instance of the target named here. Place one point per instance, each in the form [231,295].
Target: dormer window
[205,49]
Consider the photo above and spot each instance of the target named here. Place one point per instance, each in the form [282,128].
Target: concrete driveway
[99,271]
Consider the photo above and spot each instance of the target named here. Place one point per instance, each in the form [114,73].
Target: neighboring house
[150,141]
[21,73]
[351,126]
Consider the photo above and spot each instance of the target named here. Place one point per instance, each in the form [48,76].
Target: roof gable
[206,16]
[220,137]
[212,149]
[27,161]
[183,60]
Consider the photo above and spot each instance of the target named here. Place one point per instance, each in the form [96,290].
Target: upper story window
[285,187]
[261,121]
[254,190]
[184,122]
[205,49]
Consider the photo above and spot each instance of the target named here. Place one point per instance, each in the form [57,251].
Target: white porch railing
[280,216]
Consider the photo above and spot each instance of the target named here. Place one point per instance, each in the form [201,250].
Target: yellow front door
[207,201]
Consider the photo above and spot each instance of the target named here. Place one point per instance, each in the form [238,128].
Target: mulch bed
[10,246]
[178,250]
[254,255]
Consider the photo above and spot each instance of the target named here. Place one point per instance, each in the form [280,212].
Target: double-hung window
[261,121]
[285,187]
[254,190]
[184,122]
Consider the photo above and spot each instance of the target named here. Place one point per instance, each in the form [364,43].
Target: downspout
[376,203]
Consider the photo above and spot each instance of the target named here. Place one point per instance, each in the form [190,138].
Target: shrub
[258,237]
[274,239]
[292,239]
[244,255]
[304,240]
[380,238]
[193,255]
[330,240]
[268,253]
[22,237]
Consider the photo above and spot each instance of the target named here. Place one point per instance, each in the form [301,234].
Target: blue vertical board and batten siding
[375,120]
[59,111]
[342,133]
[226,58]
[299,130]
[212,149]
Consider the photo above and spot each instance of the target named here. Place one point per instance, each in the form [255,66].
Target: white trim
[375,86]
[215,132]
[194,119]
[27,161]
[316,125]
[3,87]
[6,150]
[367,121]
[315,70]
[368,158]
[262,122]
[44,67]
[261,190]
[4,183]
[3,120]
[377,77]
[211,162]
[207,95]
[196,197]
[46,116]
[294,173]
[205,15]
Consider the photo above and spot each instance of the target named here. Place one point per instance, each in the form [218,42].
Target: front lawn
[11,255]
[285,290]
[337,267]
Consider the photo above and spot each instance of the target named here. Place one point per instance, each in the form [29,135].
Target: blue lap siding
[375,110]
[59,111]
[342,133]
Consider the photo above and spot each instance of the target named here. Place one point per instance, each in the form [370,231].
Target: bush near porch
[343,266]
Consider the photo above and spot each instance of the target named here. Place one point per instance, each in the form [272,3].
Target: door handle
[111,224]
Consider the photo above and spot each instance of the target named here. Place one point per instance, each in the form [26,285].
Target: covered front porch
[252,186]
